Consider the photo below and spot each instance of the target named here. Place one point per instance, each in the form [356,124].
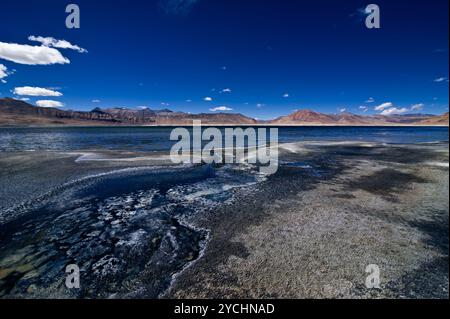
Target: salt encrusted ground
[308,231]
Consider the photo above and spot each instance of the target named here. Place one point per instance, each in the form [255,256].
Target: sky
[260,58]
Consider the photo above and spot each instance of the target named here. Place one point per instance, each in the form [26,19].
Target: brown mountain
[436,120]
[15,112]
[308,117]
[347,118]
[168,117]
[305,116]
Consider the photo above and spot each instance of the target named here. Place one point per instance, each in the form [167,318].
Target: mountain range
[19,113]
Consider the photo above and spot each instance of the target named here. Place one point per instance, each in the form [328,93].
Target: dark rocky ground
[309,231]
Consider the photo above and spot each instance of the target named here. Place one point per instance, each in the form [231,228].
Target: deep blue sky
[319,52]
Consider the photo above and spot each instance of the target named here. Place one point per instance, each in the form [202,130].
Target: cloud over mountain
[417,107]
[383,106]
[220,109]
[394,111]
[35,91]
[49,103]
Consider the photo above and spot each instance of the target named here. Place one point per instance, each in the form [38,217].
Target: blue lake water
[144,139]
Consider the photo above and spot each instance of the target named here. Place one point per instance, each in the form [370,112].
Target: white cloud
[286,95]
[220,108]
[35,91]
[95,101]
[208,99]
[3,71]
[24,99]
[394,111]
[442,79]
[259,105]
[226,91]
[52,42]
[48,103]
[31,55]
[370,100]
[417,107]
[383,106]
[342,110]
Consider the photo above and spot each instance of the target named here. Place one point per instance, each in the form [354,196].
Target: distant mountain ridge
[312,117]
[308,117]
[15,112]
